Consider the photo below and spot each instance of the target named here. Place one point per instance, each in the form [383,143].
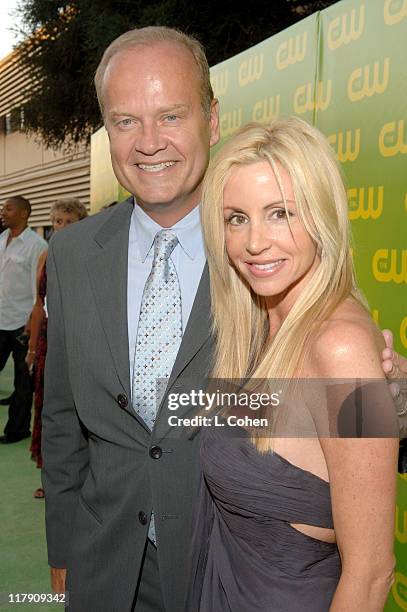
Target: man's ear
[214,121]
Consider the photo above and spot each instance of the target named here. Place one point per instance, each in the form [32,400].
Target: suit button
[122,400]
[142,517]
[155,452]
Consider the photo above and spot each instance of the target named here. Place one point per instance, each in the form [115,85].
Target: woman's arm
[362,480]
[37,316]
[362,474]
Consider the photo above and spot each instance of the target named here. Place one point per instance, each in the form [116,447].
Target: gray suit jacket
[100,478]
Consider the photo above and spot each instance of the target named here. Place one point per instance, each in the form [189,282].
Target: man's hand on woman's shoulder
[395,368]
[394,365]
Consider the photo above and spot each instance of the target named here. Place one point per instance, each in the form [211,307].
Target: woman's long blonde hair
[243,348]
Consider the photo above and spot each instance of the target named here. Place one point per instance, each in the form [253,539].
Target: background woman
[63,212]
[291,521]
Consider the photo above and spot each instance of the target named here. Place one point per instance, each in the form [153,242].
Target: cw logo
[361,84]
[342,30]
[230,122]
[220,83]
[391,139]
[251,70]
[394,11]
[399,590]
[390,266]
[291,51]
[346,149]
[370,207]
[304,99]
[266,110]
[403,332]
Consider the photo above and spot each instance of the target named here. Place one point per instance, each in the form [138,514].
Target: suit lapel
[196,334]
[198,327]
[107,268]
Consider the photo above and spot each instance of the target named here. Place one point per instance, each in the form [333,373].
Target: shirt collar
[188,231]
[4,234]
[23,236]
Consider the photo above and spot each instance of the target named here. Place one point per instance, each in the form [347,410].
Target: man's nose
[150,140]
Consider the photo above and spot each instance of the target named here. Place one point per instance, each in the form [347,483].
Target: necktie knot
[165,242]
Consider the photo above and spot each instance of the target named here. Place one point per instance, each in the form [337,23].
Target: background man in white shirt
[20,248]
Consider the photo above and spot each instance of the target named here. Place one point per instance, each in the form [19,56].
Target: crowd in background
[23,328]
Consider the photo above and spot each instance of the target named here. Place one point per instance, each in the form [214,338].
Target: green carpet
[23,556]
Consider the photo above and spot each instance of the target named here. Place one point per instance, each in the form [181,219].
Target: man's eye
[171,118]
[236,219]
[125,122]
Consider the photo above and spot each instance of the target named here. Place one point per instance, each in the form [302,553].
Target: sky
[7,38]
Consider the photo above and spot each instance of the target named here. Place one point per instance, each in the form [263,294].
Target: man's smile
[155,167]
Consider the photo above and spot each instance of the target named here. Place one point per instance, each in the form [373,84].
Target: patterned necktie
[159,329]
[159,334]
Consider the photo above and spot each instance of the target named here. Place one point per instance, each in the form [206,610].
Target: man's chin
[159,200]
[167,212]
[156,204]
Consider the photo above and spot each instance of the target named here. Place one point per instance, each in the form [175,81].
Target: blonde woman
[288,520]
[63,212]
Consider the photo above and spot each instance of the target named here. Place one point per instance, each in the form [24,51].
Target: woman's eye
[236,220]
[280,214]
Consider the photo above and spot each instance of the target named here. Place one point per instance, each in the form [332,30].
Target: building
[27,167]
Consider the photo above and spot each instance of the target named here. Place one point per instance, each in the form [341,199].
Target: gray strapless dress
[245,556]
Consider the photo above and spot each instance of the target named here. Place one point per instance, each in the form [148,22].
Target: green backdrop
[345,71]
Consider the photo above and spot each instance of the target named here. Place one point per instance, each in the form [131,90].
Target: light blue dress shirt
[188,258]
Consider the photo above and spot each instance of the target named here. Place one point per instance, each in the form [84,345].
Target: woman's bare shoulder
[348,344]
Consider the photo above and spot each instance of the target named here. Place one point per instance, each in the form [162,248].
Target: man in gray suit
[129,302]
[118,484]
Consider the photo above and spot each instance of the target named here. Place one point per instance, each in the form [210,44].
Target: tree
[64,42]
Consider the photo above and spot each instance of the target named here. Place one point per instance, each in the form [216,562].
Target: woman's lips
[264,270]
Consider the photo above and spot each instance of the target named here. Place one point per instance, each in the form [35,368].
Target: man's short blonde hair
[150,36]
